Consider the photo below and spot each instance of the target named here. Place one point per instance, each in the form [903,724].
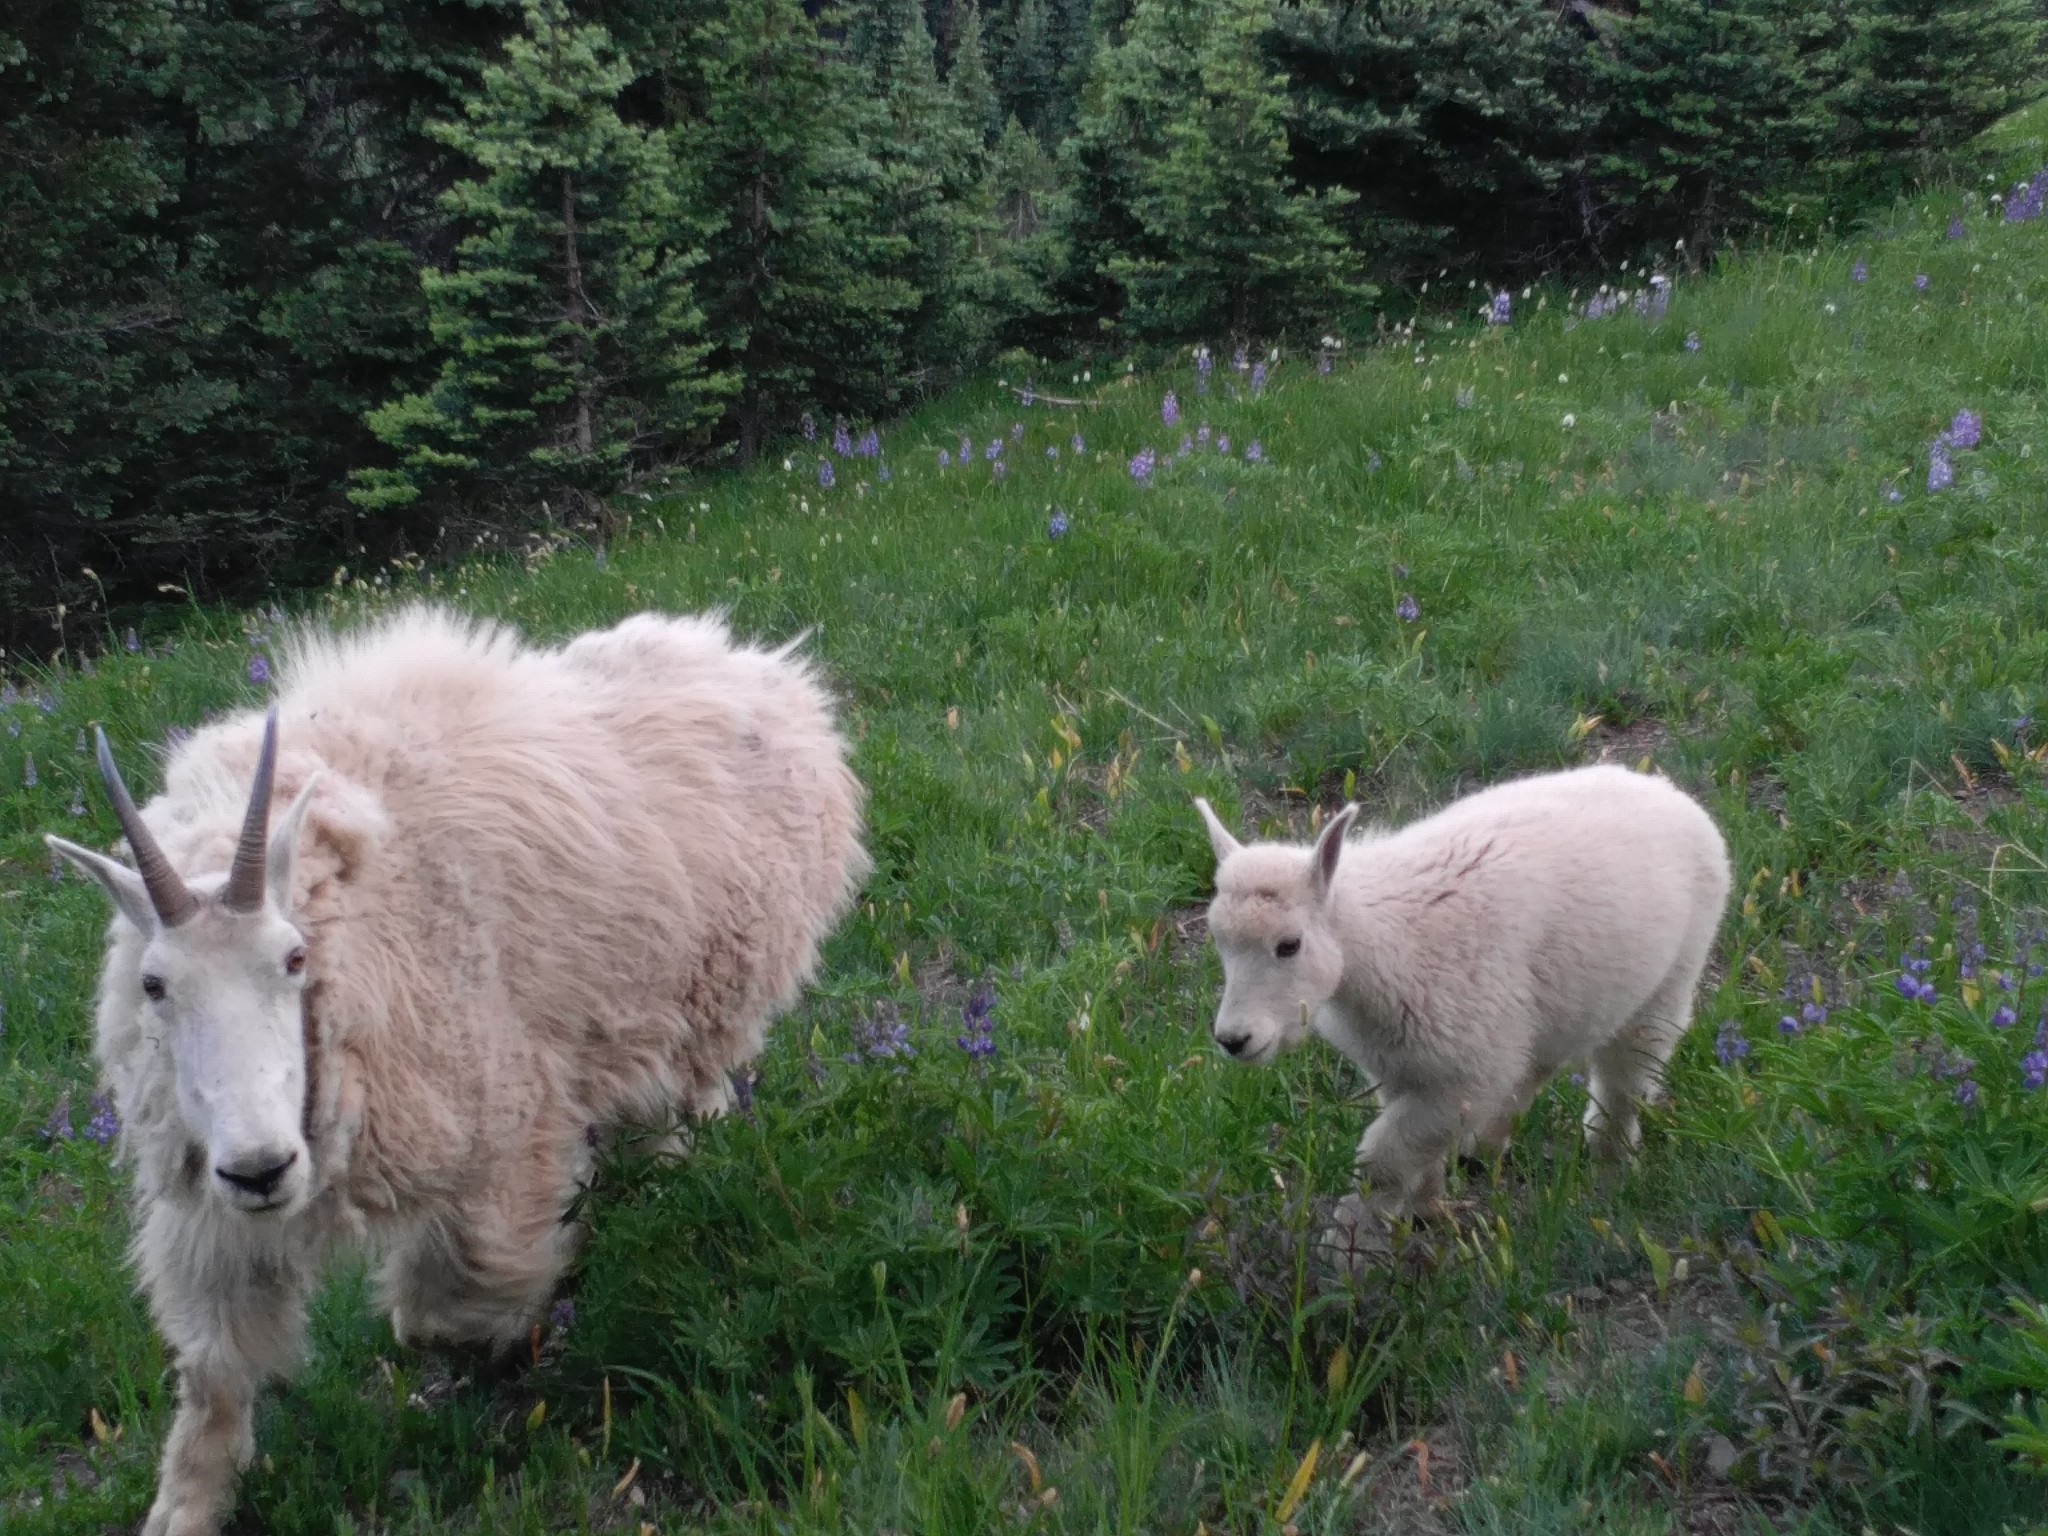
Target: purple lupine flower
[1259,379]
[1187,445]
[1169,409]
[810,428]
[1223,442]
[562,1315]
[1029,396]
[259,669]
[1966,1093]
[2003,1017]
[1967,430]
[1052,450]
[1253,453]
[1203,363]
[842,440]
[1860,273]
[58,1126]
[979,1017]
[1000,469]
[104,1125]
[994,450]
[1406,609]
[1143,462]
[1078,443]
[1016,431]
[1955,226]
[945,459]
[2003,979]
[825,474]
[1788,1025]
[1372,461]
[1202,434]
[46,702]
[1920,281]
[1660,295]
[1941,474]
[1729,1044]
[1892,493]
[882,473]
[1908,986]
[1692,341]
[1323,362]
[870,444]
[29,780]
[2034,1069]
[885,1036]
[130,644]
[966,450]
[1056,524]
[1501,310]
[1813,1014]
[1927,993]
[1239,361]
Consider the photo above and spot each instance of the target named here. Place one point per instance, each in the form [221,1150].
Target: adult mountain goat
[1463,960]
[519,895]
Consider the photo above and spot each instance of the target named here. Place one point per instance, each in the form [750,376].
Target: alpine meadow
[1190,423]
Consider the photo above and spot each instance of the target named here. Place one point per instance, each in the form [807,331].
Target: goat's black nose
[257,1175]
[1234,1044]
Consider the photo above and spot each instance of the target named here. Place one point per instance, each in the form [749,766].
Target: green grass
[920,1296]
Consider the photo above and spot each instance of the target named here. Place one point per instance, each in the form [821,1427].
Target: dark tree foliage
[1466,128]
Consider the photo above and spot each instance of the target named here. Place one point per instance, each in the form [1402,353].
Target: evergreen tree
[967,78]
[1028,76]
[1718,111]
[1228,239]
[1467,128]
[1020,252]
[927,160]
[802,290]
[1925,76]
[573,348]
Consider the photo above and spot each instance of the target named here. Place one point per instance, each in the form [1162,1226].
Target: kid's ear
[1330,847]
[1219,835]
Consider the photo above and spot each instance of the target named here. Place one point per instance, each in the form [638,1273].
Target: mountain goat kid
[1463,960]
[519,895]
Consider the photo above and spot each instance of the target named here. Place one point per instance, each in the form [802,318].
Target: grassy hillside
[1068,1285]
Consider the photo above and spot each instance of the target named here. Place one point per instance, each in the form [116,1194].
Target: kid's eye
[1287,949]
[153,988]
[295,962]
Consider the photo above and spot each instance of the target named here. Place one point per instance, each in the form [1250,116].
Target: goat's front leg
[232,1321]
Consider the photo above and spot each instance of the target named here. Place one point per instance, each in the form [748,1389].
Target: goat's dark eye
[153,988]
[295,962]
[1287,949]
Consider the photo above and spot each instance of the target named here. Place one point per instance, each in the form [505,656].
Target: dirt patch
[1190,927]
[1643,740]
[1412,1488]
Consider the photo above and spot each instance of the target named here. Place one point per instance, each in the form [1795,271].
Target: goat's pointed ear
[1219,835]
[1330,847]
[281,858]
[130,895]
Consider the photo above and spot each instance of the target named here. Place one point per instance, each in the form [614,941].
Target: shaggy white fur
[1463,960]
[522,895]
